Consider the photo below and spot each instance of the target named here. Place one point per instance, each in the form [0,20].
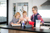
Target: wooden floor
[17,31]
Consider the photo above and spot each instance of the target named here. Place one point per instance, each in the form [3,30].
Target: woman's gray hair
[35,7]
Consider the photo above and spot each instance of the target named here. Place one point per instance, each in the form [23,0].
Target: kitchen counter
[26,29]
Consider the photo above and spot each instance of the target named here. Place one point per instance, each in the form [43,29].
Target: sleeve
[12,20]
[39,18]
[31,18]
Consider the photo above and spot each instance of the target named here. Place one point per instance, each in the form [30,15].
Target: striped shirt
[14,20]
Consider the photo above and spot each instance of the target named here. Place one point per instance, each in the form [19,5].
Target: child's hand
[11,23]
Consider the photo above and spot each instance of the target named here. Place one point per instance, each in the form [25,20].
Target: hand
[41,23]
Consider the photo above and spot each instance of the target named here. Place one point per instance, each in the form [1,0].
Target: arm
[31,18]
[19,20]
[39,18]
[12,21]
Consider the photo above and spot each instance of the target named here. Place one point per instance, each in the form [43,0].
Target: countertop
[32,29]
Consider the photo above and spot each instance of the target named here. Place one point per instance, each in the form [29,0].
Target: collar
[35,14]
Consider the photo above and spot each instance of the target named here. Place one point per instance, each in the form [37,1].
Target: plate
[16,24]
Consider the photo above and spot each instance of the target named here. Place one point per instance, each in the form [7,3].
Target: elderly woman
[36,16]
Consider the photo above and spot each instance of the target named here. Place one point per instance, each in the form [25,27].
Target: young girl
[16,18]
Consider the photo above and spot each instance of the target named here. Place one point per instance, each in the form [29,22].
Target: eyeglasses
[32,10]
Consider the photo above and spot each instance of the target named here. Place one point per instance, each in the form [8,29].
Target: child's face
[17,16]
[24,14]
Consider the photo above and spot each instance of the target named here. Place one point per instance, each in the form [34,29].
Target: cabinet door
[4,30]
[11,31]
[18,31]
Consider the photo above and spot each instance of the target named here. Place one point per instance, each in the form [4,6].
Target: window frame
[7,15]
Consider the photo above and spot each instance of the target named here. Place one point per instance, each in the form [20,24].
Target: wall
[2,0]
[31,3]
[38,3]
[10,12]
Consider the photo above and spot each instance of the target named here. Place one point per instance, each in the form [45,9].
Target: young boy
[36,16]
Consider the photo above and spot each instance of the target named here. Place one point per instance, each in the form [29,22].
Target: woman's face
[24,14]
[34,11]
[17,16]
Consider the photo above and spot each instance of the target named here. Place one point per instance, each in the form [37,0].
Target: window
[3,11]
[44,11]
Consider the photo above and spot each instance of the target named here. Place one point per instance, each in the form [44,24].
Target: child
[16,18]
[24,18]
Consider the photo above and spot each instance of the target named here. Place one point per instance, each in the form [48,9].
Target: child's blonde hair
[16,14]
[24,12]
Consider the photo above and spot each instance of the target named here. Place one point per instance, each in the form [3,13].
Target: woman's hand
[41,23]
